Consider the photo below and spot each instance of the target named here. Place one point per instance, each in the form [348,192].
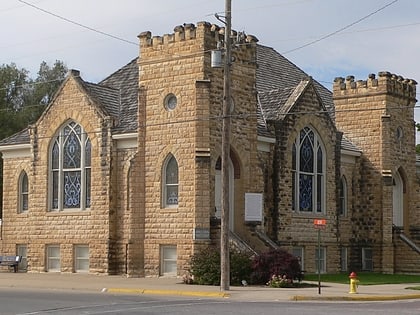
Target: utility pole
[227,99]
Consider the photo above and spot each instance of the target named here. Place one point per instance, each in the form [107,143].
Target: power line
[341,29]
[78,24]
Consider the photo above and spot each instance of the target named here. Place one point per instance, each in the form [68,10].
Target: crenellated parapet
[190,31]
[384,83]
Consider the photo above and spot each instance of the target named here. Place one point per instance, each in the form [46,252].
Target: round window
[170,101]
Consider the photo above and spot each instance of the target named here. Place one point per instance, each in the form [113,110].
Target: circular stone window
[170,101]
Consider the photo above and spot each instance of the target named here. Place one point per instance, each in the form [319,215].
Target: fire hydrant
[353,283]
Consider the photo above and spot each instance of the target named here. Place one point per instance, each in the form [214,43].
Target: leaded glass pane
[294,190]
[24,183]
[319,190]
[306,156]
[343,196]
[172,172]
[87,152]
[55,190]
[305,192]
[55,155]
[294,156]
[71,156]
[25,202]
[172,195]
[72,186]
[87,182]
[24,192]
[319,160]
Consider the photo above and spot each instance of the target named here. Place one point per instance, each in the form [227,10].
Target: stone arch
[234,174]
[399,198]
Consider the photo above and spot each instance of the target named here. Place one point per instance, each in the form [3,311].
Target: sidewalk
[174,286]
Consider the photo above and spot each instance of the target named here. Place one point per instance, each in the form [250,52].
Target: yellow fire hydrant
[353,283]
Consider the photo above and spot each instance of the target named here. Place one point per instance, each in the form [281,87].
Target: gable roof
[108,98]
[125,80]
[279,83]
[21,137]
[275,72]
[116,95]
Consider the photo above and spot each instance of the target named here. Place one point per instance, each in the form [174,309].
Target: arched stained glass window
[308,178]
[70,169]
[343,196]
[170,185]
[23,192]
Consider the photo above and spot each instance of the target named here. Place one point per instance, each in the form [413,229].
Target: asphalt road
[18,301]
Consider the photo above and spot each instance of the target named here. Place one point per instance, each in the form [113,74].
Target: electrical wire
[341,29]
[78,24]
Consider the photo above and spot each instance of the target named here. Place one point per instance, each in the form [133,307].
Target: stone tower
[377,115]
[180,106]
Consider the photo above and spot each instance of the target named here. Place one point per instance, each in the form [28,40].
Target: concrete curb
[167,292]
[362,298]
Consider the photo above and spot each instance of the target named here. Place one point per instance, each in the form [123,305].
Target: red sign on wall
[318,222]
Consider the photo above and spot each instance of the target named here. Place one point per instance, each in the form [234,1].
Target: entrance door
[398,201]
[218,194]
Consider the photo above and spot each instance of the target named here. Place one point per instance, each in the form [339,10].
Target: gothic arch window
[70,169]
[23,192]
[343,196]
[170,182]
[308,173]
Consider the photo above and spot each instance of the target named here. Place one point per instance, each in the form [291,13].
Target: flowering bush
[274,262]
[277,281]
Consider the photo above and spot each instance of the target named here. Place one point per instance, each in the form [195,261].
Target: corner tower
[180,108]
[377,115]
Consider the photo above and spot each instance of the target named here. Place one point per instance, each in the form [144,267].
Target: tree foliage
[23,99]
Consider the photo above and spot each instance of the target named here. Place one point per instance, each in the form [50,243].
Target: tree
[22,99]
[13,92]
[48,81]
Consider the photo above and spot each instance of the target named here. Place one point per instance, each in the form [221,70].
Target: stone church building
[124,176]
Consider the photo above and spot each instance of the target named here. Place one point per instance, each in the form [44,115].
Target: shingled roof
[21,137]
[276,80]
[126,80]
[276,73]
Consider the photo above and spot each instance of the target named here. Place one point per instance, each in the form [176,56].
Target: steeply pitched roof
[347,145]
[278,75]
[279,81]
[126,80]
[117,95]
[108,98]
[20,137]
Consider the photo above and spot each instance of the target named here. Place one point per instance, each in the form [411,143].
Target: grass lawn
[366,278]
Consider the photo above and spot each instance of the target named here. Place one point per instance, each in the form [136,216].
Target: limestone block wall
[377,115]
[179,63]
[126,231]
[14,227]
[294,228]
[170,64]
[41,227]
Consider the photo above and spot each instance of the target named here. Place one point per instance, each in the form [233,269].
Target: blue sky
[383,39]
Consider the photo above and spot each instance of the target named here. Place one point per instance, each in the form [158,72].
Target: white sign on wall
[253,207]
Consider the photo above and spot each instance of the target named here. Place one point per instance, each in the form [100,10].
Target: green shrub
[205,267]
